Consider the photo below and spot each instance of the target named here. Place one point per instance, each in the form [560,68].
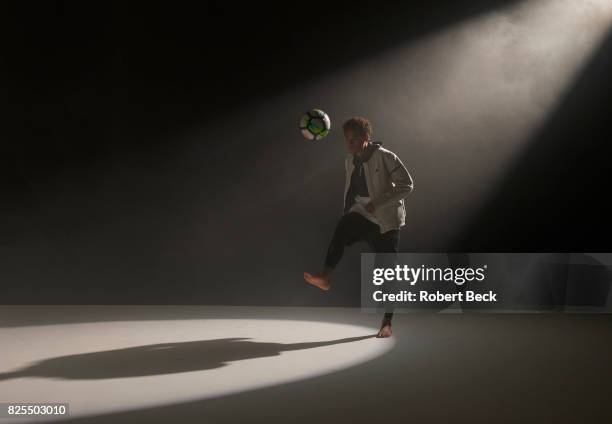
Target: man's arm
[402,182]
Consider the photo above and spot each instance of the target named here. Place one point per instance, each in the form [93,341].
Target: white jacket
[389,183]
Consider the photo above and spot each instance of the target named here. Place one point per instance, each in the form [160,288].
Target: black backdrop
[144,159]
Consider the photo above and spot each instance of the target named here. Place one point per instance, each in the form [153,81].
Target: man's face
[355,143]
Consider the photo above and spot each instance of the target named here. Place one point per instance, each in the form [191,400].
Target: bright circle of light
[108,367]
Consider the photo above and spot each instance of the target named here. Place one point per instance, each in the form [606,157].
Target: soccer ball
[315,124]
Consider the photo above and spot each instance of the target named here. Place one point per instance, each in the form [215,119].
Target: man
[377,183]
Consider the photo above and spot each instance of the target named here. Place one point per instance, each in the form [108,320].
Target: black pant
[353,227]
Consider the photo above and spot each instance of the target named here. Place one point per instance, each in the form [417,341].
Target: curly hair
[360,125]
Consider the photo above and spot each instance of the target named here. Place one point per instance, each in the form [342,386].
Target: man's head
[357,134]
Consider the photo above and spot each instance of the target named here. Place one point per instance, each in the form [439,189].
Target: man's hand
[370,207]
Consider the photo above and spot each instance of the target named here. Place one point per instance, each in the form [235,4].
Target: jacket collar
[372,147]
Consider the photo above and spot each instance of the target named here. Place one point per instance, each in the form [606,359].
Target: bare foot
[385,331]
[318,280]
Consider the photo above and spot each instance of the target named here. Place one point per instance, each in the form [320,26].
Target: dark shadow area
[162,358]
[542,282]
[556,198]
[124,76]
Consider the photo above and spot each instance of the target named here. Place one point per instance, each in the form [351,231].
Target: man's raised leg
[349,229]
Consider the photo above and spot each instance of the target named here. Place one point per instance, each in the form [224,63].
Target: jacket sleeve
[401,179]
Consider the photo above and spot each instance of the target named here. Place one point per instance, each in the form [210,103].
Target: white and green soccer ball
[315,124]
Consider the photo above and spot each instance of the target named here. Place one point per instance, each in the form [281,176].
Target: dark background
[145,159]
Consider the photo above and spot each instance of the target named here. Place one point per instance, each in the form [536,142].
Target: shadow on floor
[162,358]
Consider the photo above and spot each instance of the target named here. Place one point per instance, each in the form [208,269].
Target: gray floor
[442,367]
